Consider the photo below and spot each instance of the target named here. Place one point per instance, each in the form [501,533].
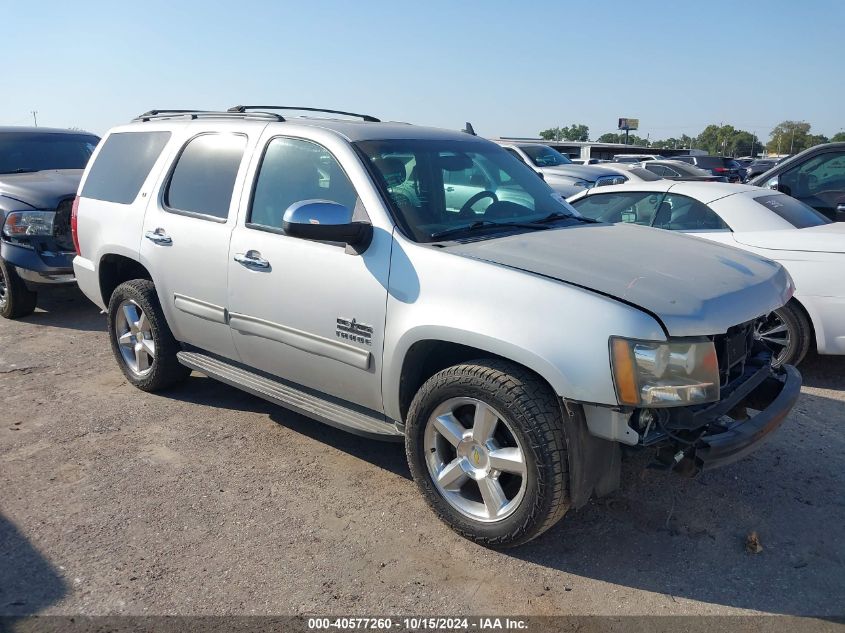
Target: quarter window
[122,166]
[294,170]
[204,177]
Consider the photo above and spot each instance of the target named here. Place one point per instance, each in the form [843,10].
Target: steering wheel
[467,208]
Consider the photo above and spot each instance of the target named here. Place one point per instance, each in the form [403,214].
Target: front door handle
[252,259]
[450,189]
[159,236]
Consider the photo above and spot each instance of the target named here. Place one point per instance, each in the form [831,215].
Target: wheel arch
[114,269]
[426,356]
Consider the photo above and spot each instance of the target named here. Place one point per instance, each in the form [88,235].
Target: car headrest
[392,169]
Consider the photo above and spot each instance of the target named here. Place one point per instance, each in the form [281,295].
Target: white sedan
[766,222]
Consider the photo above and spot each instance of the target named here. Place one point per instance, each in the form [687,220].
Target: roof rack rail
[365,117]
[195,114]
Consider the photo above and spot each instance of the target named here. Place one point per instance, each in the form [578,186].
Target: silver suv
[514,346]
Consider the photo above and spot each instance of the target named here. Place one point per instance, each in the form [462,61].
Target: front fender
[559,331]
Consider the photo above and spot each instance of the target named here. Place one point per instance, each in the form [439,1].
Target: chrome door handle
[159,237]
[252,259]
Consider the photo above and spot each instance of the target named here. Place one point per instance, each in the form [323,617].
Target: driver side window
[293,170]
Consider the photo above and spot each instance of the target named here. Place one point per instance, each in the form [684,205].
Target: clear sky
[512,68]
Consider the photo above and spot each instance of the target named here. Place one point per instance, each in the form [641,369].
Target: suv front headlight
[26,223]
[664,374]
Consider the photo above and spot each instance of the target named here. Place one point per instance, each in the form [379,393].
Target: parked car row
[354,271]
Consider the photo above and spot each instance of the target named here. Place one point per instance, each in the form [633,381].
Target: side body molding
[305,341]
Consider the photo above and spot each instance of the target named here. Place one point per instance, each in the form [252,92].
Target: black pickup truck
[40,169]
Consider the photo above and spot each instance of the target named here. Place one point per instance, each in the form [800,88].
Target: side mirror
[326,221]
[772,183]
[840,213]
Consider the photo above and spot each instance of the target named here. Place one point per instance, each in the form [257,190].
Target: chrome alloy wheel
[475,459]
[774,333]
[134,338]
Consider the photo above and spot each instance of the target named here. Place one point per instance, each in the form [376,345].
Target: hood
[41,189]
[585,172]
[694,287]
[827,238]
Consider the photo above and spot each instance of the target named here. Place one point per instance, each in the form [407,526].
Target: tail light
[720,170]
[74,232]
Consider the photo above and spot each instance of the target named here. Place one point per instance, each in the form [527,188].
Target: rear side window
[204,177]
[798,214]
[123,165]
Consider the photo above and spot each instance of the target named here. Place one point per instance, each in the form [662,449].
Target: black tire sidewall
[20,300]
[799,334]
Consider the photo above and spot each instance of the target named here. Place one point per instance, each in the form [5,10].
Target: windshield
[436,186]
[22,152]
[545,156]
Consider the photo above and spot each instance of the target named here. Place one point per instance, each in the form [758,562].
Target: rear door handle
[159,237]
[252,259]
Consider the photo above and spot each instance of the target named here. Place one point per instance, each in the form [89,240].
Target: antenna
[468,129]
[34,114]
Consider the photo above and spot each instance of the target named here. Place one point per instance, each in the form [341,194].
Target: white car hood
[693,286]
[827,238]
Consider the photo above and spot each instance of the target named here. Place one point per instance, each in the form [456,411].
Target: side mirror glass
[772,183]
[326,221]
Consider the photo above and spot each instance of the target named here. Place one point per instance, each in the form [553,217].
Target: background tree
[613,137]
[574,132]
[839,137]
[791,137]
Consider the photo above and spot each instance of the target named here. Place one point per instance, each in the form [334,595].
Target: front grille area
[61,225]
[734,348]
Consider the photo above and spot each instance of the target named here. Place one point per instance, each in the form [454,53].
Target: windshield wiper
[484,224]
[557,215]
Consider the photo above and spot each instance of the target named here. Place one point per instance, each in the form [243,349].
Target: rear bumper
[774,398]
[39,266]
[88,280]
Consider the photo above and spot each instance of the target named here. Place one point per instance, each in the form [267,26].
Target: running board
[292,397]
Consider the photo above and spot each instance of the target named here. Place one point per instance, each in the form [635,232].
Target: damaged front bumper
[709,436]
[728,441]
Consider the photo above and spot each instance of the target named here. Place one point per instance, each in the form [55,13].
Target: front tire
[16,300]
[486,447]
[786,332]
[140,338]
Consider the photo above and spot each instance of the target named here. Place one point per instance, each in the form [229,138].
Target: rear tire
[787,333]
[141,340]
[16,300]
[509,488]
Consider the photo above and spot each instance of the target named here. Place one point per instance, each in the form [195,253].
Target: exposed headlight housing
[28,223]
[579,182]
[674,373]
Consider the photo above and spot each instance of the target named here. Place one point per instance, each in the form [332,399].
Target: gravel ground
[205,500]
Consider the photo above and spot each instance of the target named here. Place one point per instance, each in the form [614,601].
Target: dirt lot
[205,500]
